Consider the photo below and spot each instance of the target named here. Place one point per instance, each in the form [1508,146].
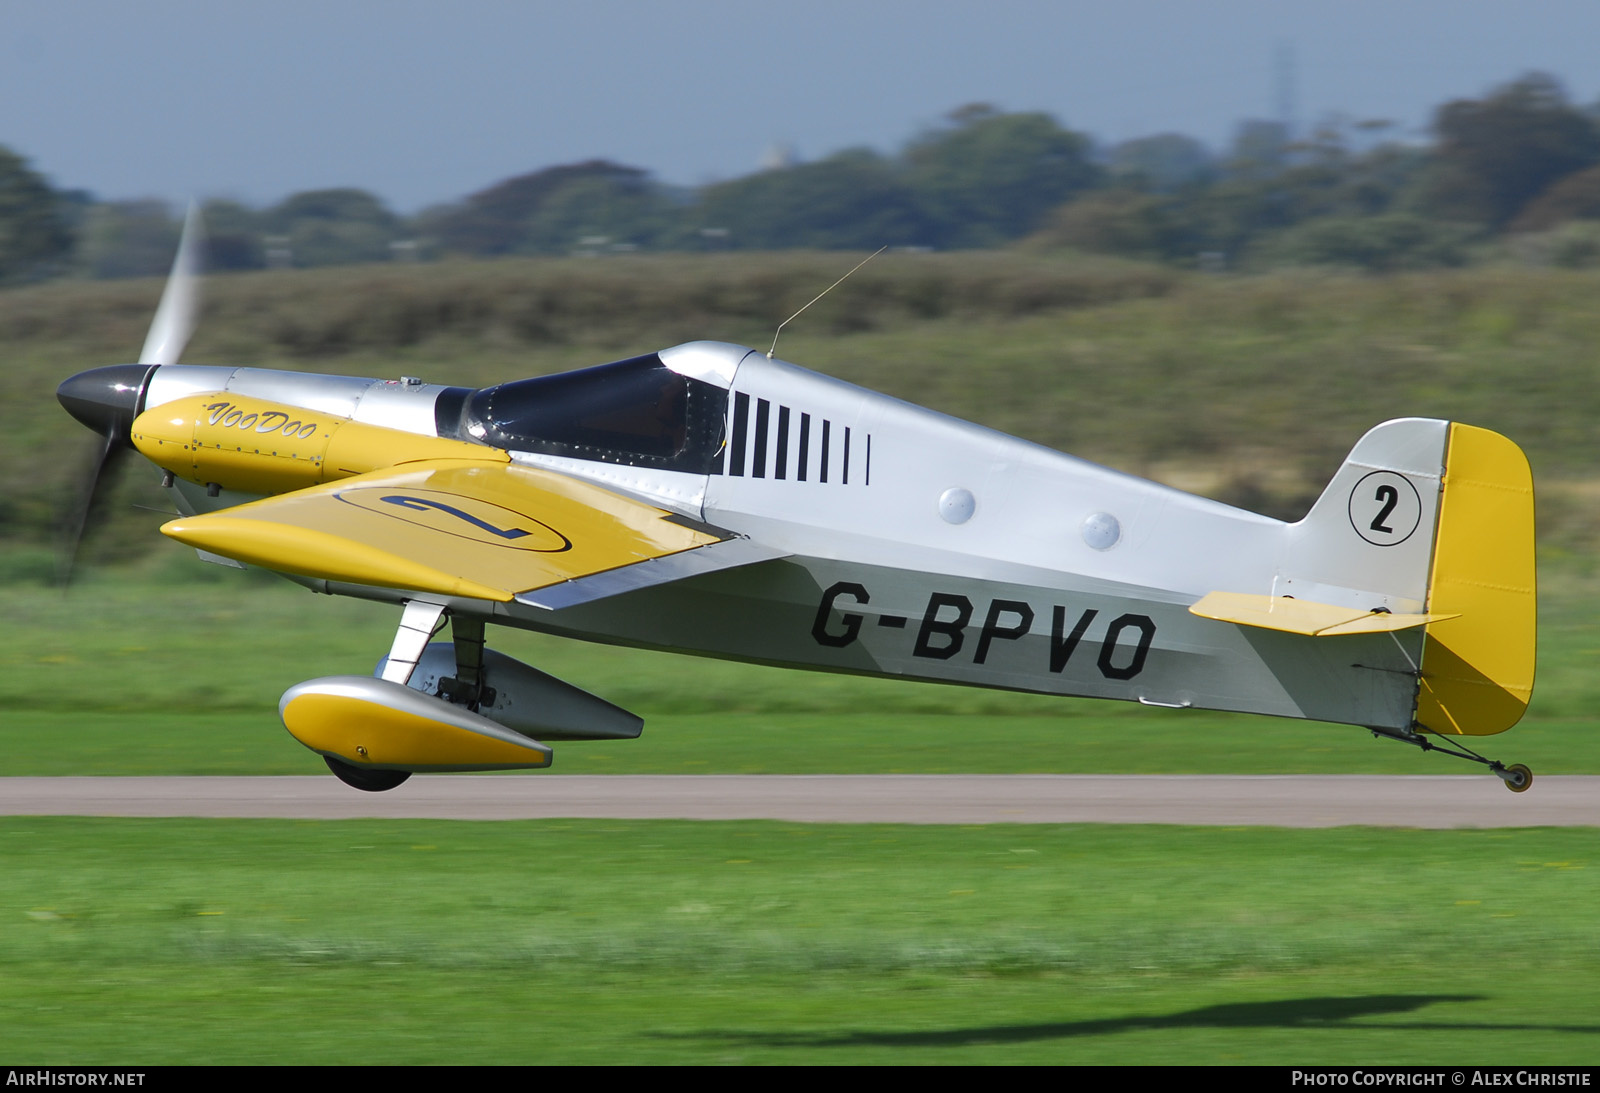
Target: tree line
[1519,167]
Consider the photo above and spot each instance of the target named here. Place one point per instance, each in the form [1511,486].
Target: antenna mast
[819,296]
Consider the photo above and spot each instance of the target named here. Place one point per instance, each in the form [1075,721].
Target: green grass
[178,670]
[130,941]
[245,941]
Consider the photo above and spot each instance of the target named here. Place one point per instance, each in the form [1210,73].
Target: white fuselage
[918,545]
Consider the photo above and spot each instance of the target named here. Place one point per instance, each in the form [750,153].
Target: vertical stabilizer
[1426,520]
[1368,541]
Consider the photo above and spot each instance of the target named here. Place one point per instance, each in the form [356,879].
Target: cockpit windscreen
[636,412]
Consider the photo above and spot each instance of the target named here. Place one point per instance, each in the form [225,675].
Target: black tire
[372,781]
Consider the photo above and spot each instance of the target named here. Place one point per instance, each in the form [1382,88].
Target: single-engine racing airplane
[709,499]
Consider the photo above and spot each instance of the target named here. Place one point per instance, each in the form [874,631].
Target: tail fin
[1371,534]
[1429,524]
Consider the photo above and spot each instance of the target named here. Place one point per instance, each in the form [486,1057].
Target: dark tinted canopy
[636,412]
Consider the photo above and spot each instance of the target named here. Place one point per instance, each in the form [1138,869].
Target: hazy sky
[423,102]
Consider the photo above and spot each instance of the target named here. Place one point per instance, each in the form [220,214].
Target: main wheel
[373,781]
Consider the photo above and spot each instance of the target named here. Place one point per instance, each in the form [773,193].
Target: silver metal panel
[1029,503]
[1068,637]
[175,381]
[526,700]
[390,403]
[395,404]
[652,571]
[675,491]
[217,559]
[336,395]
[713,362]
[1334,555]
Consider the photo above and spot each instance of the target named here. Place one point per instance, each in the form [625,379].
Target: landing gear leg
[467,687]
[418,622]
[1517,777]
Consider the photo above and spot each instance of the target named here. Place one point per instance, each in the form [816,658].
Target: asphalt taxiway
[1421,801]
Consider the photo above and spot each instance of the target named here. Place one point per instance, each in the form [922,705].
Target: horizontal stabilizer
[1295,616]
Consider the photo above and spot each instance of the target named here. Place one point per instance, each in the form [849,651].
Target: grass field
[168,941]
[133,941]
[177,668]
[411,942]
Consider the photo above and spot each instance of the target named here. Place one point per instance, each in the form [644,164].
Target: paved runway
[1441,801]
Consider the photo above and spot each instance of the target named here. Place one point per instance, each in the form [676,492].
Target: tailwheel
[372,781]
[1516,777]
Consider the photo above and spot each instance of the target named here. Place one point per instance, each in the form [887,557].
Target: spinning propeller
[108,399]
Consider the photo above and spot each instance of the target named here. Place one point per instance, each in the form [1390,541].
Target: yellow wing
[478,529]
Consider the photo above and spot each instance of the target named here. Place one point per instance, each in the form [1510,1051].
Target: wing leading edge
[465,528]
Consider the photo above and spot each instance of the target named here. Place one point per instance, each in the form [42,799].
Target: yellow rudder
[1477,669]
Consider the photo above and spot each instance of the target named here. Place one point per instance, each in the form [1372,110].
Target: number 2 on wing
[1390,498]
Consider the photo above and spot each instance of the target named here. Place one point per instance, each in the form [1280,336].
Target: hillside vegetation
[1513,174]
[1250,388]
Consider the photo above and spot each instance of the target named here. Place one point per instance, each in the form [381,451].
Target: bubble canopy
[636,412]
